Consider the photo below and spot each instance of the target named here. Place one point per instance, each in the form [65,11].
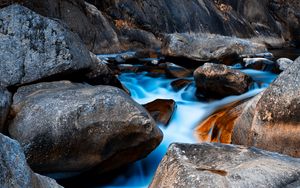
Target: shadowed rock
[68,127]
[5,102]
[180,83]
[15,171]
[217,165]
[33,47]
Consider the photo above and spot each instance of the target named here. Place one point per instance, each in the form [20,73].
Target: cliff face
[127,24]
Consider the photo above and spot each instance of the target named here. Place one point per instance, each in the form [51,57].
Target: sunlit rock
[15,171]
[207,47]
[217,165]
[218,81]
[161,110]
[70,127]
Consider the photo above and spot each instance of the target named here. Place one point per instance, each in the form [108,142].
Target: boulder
[69,127]
[218,81]
[176,71]
[177,85]
[283,63]
[161,110]
[217,165]
[272,122]
[208,47]
[33,47]
[15,171]
[259,63]
[5,102]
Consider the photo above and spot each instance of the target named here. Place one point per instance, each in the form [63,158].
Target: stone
[72,127]
[179,84]
[5,102]
[218,81]
[176,71]
[283,63]
[161,110]
[33,48]
[15,171]
[208,47]
[272,123]
[258,63]
[218,165]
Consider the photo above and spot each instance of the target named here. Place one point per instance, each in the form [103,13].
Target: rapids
[189,113]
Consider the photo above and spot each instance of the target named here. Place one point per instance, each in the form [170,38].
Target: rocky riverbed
[109,94]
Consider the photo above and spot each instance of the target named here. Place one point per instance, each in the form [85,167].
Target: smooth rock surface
[272,122]
[68,127]
[33,47]
[217,81]
[5,102]
[217,165]
[15,172]
[207,47]
[161,110]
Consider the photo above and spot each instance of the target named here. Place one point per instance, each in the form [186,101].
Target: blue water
[187,116]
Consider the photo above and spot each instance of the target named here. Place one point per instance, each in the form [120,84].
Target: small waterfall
[189,113]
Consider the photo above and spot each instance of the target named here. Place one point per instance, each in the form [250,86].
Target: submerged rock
[176,71]
[218,81]
[33,47]
[5,102]
[68,127]
[180,84]
[15,171]
[161,110]
[207,47]
[217,165]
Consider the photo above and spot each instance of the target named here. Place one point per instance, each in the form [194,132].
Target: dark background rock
[15,171]
[5,102]
[217,165]
[68,127]
[33,47]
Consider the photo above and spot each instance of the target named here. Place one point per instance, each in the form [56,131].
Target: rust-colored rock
[161,110]
[180,83]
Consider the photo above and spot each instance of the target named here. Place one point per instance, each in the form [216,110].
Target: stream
[188,114]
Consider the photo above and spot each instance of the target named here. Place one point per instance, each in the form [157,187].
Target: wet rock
[5,102]
[217,165]
[206,47]
[15,171]
[218,81]
[176,71]
[283,63]
[161,110]
[272,123]
[68,127]
[258,63]
[179,84]
[33,47]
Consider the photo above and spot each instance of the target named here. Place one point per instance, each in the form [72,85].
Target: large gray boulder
[5,102]
[207,47]
[218,81]
[33,47]
[15,172]
[64,126]
[217,165]
[272,121]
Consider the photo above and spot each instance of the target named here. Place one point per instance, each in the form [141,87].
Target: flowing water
[186,117]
